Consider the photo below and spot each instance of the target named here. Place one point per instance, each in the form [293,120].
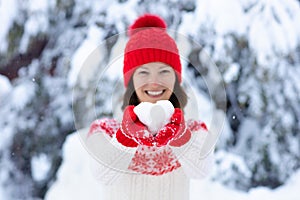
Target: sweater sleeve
[109,159]
[196,157]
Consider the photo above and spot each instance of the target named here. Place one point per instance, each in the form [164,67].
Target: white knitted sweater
[111,161]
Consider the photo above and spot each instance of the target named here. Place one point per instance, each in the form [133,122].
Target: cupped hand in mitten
[134,129]
[172,130]
[153,124]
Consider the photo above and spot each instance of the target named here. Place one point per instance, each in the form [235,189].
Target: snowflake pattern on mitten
[154,160]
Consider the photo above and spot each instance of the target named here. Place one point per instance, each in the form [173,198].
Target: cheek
[137,84]
[138,81]
[170,83]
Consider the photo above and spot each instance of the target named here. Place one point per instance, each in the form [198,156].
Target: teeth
[155,93]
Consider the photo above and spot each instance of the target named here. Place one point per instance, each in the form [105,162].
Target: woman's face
[154,81]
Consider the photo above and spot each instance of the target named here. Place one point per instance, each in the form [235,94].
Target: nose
[154,79]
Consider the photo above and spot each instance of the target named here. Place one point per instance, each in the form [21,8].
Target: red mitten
[174,129]
[125,141]
[133,129]
[182,139]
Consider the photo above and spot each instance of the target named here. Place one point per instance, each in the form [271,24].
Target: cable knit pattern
[195,161]
[112,158]
[170,186]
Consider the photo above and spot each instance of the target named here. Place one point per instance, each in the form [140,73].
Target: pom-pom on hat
[149,42]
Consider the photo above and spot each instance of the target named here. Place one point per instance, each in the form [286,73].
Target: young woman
[153,152]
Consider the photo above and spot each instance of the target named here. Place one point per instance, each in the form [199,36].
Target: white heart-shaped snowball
[154,115]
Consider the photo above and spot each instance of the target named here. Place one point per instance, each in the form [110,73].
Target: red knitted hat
[149,42]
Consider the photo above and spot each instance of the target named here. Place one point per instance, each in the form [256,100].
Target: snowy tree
[45,51]
[258,55]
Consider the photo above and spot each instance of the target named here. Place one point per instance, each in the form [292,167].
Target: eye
[143,72]
[165,71]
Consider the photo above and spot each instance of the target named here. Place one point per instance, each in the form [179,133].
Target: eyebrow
[165,66]
[160,67]
[143,67]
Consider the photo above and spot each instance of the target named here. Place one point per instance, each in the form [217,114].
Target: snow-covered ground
[75,181]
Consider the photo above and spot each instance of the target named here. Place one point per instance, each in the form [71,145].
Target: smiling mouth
[154,93]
